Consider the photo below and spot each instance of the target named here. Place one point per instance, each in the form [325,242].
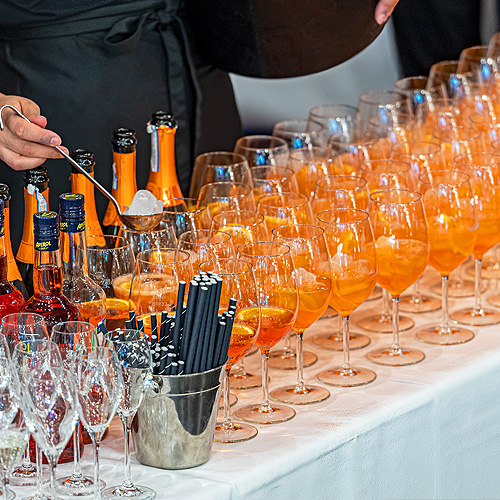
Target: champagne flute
[313,276]
[18,328]
[262,150]
[186,214]
[484,172]
[134,356]
[354,270]
[69,336]
[218,166]
[402,248]
[452,226]
[162,236]
[277,291]
[221,196]
[238,282]
[99,387]
[111,264]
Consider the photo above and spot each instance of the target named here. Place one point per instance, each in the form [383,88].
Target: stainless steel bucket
[174,427]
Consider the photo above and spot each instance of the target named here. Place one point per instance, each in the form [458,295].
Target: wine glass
[48,399]
[221,196]
[269,179]
[415,88]
[206,244]
[277,292]
[162,236]
[134,356]
[99,387]
[238,282]
[281,209]
[484,172]
[218,166]
[394,129]
[186,214]
[478,67]
[444,78]
[313,277]
[301,133]
[69,336]
[452,226]
[111,264]
[339,120]
[354,270]
[402,247]
[18,328]
[262,150]
[156,279]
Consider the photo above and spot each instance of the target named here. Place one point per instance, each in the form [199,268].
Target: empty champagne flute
[134,356]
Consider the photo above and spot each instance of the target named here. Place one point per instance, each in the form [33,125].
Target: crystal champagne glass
[313,276]
[186,214]
[162,236]
[262,150]
[301,133]
[452,226]
[354,270]
[402,247]
[269,179]
[238,282]
[222,196]
[276,284]
[339,120]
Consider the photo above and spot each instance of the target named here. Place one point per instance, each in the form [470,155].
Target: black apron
[92,71]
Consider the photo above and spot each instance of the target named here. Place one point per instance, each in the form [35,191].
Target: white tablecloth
[426,431]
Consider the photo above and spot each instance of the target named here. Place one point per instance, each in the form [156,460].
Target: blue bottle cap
[72,211]
[46,231]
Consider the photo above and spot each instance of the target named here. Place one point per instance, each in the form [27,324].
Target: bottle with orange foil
[124,178]
[36,199]
[80,184]
[163,182]
[13,274]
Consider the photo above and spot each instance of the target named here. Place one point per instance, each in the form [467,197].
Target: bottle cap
[160,118]
[46,231]
[84,158]
[72,212]
[124,140]
[2,228]
[37,177]
[5,195]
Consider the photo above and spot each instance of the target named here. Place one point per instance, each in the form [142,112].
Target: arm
[24,145]
[384,9]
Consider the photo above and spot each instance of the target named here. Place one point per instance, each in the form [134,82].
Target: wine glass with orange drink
[238,282]
[277,291]
[354,271]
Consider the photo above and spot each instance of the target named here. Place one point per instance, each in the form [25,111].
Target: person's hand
[25,145]
[384,9]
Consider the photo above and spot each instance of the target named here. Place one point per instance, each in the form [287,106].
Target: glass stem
[445,319]
[127,426]
[52,464]
[77,471]
[417,296]
[477,286]
[265,407]
[96,441]
[226,422]
[287,348]
[386,313]
[338,332]
[395,325]
[239,369]
[300,386]
[39,475]
[346,367]
[5,484]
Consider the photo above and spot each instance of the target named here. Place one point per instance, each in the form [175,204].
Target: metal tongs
[135,222]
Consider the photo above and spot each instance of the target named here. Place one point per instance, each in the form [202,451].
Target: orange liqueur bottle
[80,184]
[124,180]
[163,182]
[36,196]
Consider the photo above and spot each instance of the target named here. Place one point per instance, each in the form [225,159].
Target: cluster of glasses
[50,382]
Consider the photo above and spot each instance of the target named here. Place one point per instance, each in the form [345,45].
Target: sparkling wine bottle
[163,182]
[77,286]
[124,178]
[80,184]
[13,274]
[11,299]
[36,196]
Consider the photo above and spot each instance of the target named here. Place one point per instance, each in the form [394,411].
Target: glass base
[77,486]
[494,300]
[490,269]
[470,317]
[376,294]
[247,381]
[454,335]
[11,496]
[457,288]
[419,303]
[383,324]
[137,492]
[329,313]
[334,343]
[283,361]
[347,378]
[23,476]
[233,399]
[237,433]
[292,395]
[402,357]
[253,350]
[274,414]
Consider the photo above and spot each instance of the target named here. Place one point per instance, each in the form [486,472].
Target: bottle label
[72,226]
[115,177]
[155,160]
[2,231]
[47,245]
[41,202]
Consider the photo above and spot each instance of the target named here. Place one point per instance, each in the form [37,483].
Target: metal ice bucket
[174,427]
